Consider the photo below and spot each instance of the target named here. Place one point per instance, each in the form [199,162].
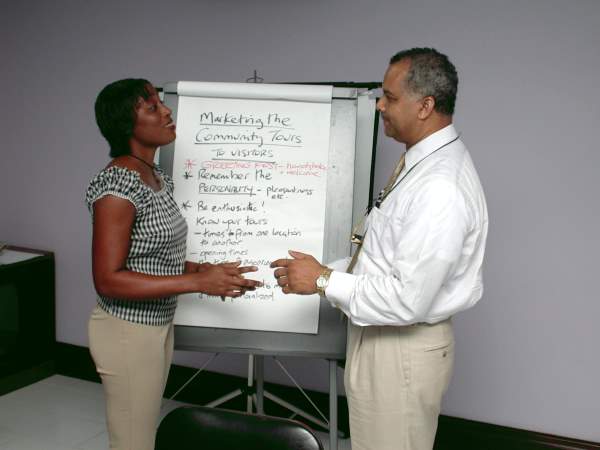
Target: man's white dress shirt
[423,248]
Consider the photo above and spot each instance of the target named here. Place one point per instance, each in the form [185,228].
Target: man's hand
[297,275]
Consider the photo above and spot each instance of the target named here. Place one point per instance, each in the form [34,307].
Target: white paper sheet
[256,91]
[13,256]
[250,178]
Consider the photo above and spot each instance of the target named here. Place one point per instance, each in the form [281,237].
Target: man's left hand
[297,275]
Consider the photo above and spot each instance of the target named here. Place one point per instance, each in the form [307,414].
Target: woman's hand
[225,279]
[192,267]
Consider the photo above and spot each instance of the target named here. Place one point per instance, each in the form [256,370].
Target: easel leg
[248,390]
[324,423]
[194,376]
[333,419]
[250,383]
[260,378]
[224,398]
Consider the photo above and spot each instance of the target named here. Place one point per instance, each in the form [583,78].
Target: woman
[138,253]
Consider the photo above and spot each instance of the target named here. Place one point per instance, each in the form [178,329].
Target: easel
[352,138]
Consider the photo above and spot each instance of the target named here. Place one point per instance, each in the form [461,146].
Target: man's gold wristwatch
[323,280]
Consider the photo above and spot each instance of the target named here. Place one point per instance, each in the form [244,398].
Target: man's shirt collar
[426,146]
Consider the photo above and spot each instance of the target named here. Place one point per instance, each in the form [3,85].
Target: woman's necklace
[151,166]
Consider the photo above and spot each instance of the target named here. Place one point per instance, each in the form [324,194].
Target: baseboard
[25,377]
[453,433]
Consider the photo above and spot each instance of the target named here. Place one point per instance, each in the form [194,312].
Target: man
[418,265]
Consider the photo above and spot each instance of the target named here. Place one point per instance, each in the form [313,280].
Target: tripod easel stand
[255,394]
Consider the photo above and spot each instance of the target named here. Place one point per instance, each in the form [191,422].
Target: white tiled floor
[62,413]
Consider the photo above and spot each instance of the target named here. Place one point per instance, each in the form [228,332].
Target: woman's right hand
[225,279]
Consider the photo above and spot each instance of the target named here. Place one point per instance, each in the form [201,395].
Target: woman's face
[153,124]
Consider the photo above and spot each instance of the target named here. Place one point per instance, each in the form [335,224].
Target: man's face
[398,107]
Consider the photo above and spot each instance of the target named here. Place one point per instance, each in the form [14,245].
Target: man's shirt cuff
[340,289]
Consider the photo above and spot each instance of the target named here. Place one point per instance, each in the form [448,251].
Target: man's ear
[427,107]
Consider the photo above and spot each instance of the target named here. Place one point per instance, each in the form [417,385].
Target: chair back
[204,428]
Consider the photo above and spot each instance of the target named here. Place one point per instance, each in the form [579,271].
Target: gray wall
[528,109]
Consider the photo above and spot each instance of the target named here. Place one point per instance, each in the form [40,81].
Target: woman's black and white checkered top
[158,239]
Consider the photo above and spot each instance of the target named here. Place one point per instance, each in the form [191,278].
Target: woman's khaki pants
[395,378]
[133,361]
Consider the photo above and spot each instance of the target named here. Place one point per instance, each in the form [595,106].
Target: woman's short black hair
[115,112]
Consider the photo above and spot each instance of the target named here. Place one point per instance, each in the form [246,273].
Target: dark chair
[203,428]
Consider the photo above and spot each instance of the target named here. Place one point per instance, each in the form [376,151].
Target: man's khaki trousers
[395,378]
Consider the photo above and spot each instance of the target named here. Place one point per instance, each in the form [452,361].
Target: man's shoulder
[443,166]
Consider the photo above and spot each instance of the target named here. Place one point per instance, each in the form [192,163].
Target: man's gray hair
[431,74]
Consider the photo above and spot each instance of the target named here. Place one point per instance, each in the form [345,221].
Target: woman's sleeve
[120,182]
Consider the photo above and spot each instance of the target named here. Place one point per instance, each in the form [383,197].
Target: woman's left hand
[192,267]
